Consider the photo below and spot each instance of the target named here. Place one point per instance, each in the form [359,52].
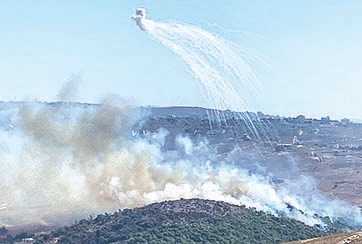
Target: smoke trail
[221,67]
[66,159]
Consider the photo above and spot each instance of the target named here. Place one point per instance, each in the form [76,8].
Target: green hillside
[184,221]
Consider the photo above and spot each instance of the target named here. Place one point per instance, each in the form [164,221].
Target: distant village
[301,119]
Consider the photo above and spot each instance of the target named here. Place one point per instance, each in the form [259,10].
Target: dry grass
[345,238]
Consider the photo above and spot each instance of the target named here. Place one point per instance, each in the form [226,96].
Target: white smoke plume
[185,143]
[57,160]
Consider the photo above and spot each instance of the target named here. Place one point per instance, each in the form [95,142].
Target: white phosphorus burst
[220,66]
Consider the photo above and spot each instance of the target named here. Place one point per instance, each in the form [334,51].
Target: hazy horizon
[353,119]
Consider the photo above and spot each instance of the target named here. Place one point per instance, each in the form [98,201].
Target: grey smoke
[69,89]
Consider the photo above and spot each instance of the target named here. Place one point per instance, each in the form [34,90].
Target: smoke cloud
[64,162]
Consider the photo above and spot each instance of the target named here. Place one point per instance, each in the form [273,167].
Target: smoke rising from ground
[59,160]
[69,89]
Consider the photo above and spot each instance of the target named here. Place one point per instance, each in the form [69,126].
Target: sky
[313,48]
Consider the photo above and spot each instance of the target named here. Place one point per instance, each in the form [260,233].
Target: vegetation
[182,221]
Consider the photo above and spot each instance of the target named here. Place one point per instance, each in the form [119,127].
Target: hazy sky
[314,48]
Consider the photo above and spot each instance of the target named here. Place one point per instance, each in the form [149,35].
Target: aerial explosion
[140,18]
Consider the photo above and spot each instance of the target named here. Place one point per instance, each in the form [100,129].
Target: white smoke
[222,68]
[60,160]
[140,18]
[185,143]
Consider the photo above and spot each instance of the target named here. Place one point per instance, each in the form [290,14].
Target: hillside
[182,221]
